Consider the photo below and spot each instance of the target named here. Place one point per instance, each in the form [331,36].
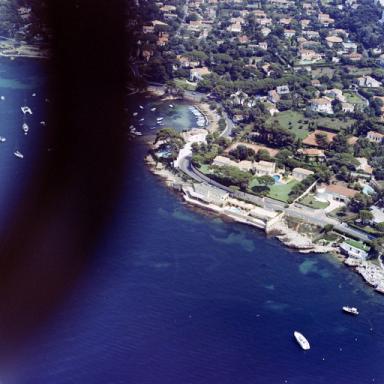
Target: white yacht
[142,119]
[137,133]
[160,118]
[153,109]
[42,122]
[2,139]
[18,154]
[170,105]
[25,128]
[25,109]
[351,310]
[2,97]
[141,107]
[134,114]
[304,343]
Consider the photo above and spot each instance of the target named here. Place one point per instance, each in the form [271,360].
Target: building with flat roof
[301,173]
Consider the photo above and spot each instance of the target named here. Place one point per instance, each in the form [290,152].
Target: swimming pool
[368,190]
[277,178]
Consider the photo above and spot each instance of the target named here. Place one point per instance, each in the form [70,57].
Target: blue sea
[177,296]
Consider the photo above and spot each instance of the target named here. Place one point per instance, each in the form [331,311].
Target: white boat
[134,114]
[303,342]
[160,118]
[42,122]
[153,109]
[18,154]
[142,119]
[25,109]
[2,97]
[2,139]
[33,94]
[170,106]
[141,107]
[25,128]
[351,310]
[137,133]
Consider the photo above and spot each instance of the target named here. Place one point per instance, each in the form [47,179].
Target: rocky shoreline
[372,274]
[279,230]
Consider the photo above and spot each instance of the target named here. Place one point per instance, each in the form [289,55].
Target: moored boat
[2,139]
[25,128]
[25,109]
[351,310]
[303,342]
[18,154]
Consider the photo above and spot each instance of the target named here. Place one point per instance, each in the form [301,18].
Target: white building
[337,192]
[199,73]
[347,107]
[321,105]
[282,90]
[301,173]
[355,249]
[368,82]
[375,137]
[208,194]
[264,168]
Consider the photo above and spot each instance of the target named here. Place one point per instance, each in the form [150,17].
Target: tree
[360,202]
[266,180]
[377,247]
[222,124]
[328,228]
[262,154]
[321,140]
[365,216]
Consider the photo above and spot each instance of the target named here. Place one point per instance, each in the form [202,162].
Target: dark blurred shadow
[71,197]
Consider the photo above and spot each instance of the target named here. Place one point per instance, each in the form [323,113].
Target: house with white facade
[301,173]
[321,105]
[355,249]
[375,137]
[264,168]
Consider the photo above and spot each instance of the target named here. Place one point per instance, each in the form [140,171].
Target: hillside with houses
[302,83]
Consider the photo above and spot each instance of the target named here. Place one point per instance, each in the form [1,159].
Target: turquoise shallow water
[178,296]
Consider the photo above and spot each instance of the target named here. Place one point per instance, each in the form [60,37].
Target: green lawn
[299,129]
[281,191]
[253,182]
[334,123]
[356,71]
[352,98]
[322,71]
[311,202]
[182,83]
[205,168]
